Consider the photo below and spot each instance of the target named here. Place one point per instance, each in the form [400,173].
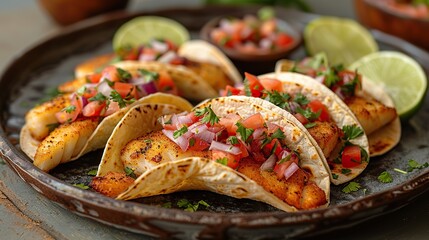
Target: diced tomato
[166,84]
[243,149]
[193,117]
[230,91]
[125,89]
[268,27]
[198,144]
[232,160]
[131,55]
[112,108]
[283,40]
[73,110]
[347,76]
[178,61]
[222,38]
[254,121]
[229,122]
[317,106]
[268,148]
[89,92]
[171,45]
[351,156]
[94,109]
[301,118]
[280,168]
[93,78]
[271,84]
[111,73]
[255,86]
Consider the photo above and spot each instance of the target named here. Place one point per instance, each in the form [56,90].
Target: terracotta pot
[374,14]
[66,12]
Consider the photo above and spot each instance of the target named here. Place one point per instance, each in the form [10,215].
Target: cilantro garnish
[130,172]
[352,132]
[123,75]
[346,171]
[209,115]
[51,127]
[349,88]
[310,125]
[245,133]
[166,205]
[223,161]
[123,102]
[247,90]
[301,99]
[307,113]
[191,142]
[351,187]
[412,164]
[334,176]
[364,155]
[278,134]
[285,159]
[385,177]
[278,99]
[98,97]
[81,90]
[81,186]
[180,132]
[92,172]
[189,207]
[110,83]
[149,75]
[69,109]
[331,77]
[232,140]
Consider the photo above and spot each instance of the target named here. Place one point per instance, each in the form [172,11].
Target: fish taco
[332,126]
[227,145]
[72,124]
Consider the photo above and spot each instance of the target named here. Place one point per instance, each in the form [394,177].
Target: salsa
[412,8]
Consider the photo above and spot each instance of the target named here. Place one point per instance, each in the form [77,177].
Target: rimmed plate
[52,62]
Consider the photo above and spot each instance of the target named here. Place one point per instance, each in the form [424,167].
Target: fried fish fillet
[40,117]
[327,136]
[371,114]
[112,184]
[64,143]
[72,85]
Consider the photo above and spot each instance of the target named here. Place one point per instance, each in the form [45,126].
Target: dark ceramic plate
[46,65]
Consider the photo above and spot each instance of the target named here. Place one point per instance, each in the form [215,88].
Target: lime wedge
[401,76]
[141,30]
[343,40]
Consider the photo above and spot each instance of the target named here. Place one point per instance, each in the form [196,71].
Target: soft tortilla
[203,174]
[103,131]
[338,110]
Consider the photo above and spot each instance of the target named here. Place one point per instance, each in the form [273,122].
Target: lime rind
[141,30]
[343,40]
[399,75]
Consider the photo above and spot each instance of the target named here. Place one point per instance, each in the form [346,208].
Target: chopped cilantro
[180,132]
[123,74]
[81,186]
[52,126]
[189,207]
[337,160]
[93,172]
[301,99]
[247,90]
[346,171]
[149,75]
[123,102]
[130,172]
[278,134]
[166,205]
[232,140]
[278,99]
[191,142]
[385,177]
[223,161]
[69,109]
[310,125]
[349,88]
[351,187]
[412,164]
[110,83]
[285,159]
[331,77]
[98,97]
[352,132]
[364,155]
[307,113]
[244,132]
[224,40]
[209,115]
[334,176]
[81,90]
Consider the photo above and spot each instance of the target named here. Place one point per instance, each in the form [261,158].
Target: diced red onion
[226,25]
[160,47]
[245,32]
[339,93]
[147,57]
[216,129]
[206,135]
[265,43]
[284,153]
[258,133]
[197,127]
[84,101]
[225,147]
[293,106]
[320,78]
[104,88]
[269,163]
[290,170]
[167,57]
[90,85]
[183,120]
[182,141]
[149,87]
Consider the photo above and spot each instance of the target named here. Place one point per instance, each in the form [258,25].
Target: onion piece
[148,88]
[167,57]
[183,120]
[147,57]
[206,135]
[160,47]
[182,141]
[225,147]
[197,127]
[104,89]
[269,163]
[258,133]
[293,167]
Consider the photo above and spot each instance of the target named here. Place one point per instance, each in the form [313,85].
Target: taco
[196,59]
[226,145]
[371,105]
[332,126]
[70,125]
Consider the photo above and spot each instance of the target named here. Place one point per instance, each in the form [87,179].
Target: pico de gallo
[112,89]
[309,113]
[412,8]
[251,34]
[232,139]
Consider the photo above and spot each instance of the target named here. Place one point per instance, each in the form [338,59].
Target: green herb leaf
[223,161]
[310,125]
[385,177]
[110,83]
[98,97]
[130,172]
[81,186]
[244,132]
[352,132]
[166,205]
[301,99]
[278,134]
[189,207]
[116,97]
[348,89]
[232,140]
[69,109]
[351,187]
[191,142]
[149,75]
[412,164]
[247,90]
[334,176]
[209,115]
[123,75]
[278,99]
[52,126]
[346,171]
[92,172]
[307,113]
[180,132]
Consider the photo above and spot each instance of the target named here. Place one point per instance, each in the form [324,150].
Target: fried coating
[327,136]
[112,184]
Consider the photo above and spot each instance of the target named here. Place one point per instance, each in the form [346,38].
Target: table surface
[25,214]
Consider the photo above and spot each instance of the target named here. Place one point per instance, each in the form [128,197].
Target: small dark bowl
[375,14]
[254,60]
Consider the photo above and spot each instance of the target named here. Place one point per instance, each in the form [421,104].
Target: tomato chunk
[94,109]
[125,89]
[254,122]
[232,160]
[166,84]
[230,91]
[111,73]
[254,85]
[197,144]
[351,156]
[93,78]
[271,84]
[317,106]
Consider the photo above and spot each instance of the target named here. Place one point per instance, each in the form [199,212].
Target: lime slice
[401,76]
[141,30]
[343,40]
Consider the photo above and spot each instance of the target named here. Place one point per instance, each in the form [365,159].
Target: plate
[52,61]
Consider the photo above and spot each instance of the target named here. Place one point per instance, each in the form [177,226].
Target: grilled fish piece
[327,136]
[72,85]
[64,143]
[371,114]
[41,117]
[112,184]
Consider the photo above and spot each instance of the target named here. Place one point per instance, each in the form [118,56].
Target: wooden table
[25,214]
